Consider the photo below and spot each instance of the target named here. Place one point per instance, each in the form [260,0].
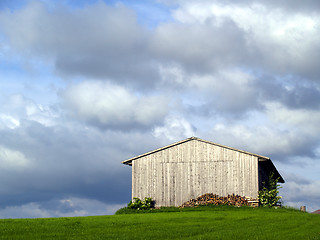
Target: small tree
[268,196]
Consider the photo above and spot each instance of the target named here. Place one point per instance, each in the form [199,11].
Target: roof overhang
[268,164]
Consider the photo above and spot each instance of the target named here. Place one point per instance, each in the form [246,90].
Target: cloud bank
[85,86]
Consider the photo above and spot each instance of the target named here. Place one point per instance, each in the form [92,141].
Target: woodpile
[213,199]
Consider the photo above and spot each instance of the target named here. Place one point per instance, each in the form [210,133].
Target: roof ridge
[128,161]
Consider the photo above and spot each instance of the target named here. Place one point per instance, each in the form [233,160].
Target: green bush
[268,196]
[139,204]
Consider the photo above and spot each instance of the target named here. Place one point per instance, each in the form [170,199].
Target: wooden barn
[176,173]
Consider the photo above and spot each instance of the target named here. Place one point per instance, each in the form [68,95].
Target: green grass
[172,223]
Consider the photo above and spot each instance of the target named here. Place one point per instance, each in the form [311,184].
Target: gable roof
[129,161]
[317,211]
[267,161]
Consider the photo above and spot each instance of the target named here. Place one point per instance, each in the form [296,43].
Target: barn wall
[179,173]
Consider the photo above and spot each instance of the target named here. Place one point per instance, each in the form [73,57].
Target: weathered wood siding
[179,173]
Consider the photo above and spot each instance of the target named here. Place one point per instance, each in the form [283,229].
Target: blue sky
[85,85]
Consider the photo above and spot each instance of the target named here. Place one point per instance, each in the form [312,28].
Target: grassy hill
[199,223]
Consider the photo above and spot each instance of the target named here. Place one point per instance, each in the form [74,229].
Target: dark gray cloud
[43,160]
[47,157]
[65,168]
[65,207]
[292,5]
[103,41]
[293,92]
[67,161]
[99,41]
[52,169]
[299,191]
[200,47]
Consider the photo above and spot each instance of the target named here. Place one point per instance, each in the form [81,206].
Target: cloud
[199,47]
[39,163]
[275,130]
[98,41]
[260,139]
[70,159]
[108,105]
[294,5]
[227,92]
[175,129]
[66,207]
[65,161]
[308,6]
[295,118]
[299,191]
[271,138]
[12,159]
[292,92]
[102,41]
[257,30]
[17,107]
[7,121]
[242,74]
[230,92]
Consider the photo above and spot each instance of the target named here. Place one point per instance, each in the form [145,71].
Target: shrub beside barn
[184,170]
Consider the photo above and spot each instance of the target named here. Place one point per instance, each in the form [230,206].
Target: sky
[86,84]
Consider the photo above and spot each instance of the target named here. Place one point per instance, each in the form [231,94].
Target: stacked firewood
[213,199]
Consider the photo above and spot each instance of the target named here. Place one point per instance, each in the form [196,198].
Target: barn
[176,173]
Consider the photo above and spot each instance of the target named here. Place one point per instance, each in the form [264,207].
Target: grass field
[200,223]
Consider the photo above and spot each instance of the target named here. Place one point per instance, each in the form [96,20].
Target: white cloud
[86,207]
[67,207]
[292,36]
[256,18]
[229,91]
[298,191]
[278,131]
[17,107]
[175,129]
[7,121]
[12,159]
[260,139]
[304,120]
[30,210]
[106,104]
[172,74]
[226,91]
